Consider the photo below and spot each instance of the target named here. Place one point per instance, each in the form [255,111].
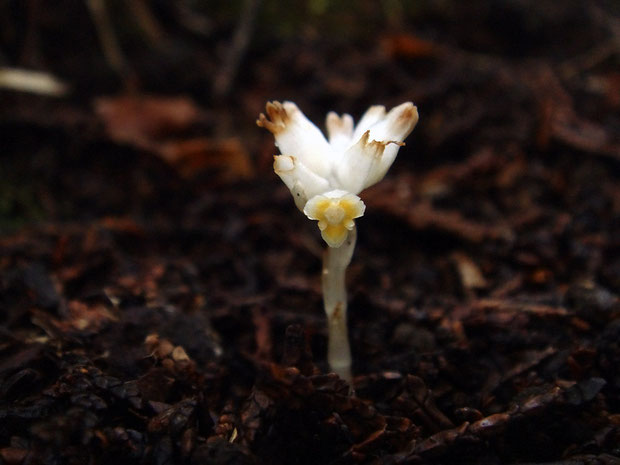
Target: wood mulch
[159,292]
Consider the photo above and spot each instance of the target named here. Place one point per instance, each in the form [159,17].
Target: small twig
[147,22]
[107,37]
[35,82]
[422,215]
[192,21]
[590,59]
[222,83]
[30,52]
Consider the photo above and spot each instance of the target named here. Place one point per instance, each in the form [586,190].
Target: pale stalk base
[335,263]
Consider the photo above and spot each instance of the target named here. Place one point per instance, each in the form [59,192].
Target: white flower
[325,175]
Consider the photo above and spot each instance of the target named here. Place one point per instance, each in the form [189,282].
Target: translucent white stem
[335,263]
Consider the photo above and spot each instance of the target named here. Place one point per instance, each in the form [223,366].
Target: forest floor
[160,293]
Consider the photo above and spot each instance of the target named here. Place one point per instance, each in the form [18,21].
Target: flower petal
[359,163]
[339,131]
[302,182]
[335,235]
[397,125]
[372,116]
[297,135]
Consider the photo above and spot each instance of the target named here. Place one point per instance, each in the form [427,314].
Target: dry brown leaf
[138,120]
[193,156]
[156,124]
[407,46]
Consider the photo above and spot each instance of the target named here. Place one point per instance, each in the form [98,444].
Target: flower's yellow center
[334,213]
[335,216]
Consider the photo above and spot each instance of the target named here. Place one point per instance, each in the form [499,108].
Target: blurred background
[108,106]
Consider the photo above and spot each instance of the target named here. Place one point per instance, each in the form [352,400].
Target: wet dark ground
[159,292]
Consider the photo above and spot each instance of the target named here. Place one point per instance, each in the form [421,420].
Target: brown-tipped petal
[278,118]
[276,112]
[263,122]
[360,162]
[397,124]
[296,135]
[339,130]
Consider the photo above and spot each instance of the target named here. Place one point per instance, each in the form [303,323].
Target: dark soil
[159,292]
